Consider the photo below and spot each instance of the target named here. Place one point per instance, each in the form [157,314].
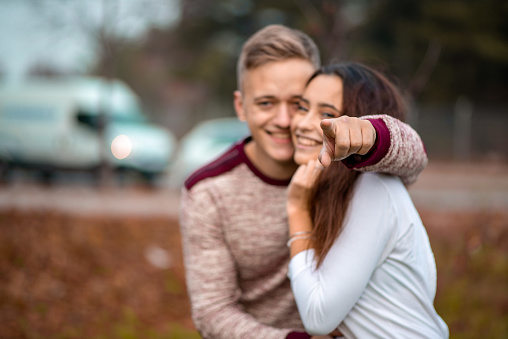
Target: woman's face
[322,99]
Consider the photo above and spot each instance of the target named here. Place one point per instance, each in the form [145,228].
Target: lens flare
[121,147]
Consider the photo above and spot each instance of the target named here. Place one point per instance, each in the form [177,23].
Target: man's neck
[268,166]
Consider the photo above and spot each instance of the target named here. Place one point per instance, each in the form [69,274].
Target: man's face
[268,101]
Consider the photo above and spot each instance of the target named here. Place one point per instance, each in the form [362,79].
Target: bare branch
[311,13]
[422,74]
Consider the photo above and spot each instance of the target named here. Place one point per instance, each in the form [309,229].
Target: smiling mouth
[282,136]
[307,142]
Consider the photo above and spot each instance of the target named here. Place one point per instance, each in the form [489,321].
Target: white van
[54,124]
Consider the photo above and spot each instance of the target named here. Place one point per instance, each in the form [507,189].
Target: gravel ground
[440,187]
[85,200]
[456,187]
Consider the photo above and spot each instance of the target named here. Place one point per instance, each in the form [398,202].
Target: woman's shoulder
[384,189]
[381,186]
[379,180]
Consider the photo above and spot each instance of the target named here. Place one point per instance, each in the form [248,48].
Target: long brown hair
[365,92]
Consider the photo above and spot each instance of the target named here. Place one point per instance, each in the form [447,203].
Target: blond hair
[276,43]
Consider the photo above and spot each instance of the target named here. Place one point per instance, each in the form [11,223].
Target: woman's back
[379,277]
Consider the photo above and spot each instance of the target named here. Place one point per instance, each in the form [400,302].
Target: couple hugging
[305,229]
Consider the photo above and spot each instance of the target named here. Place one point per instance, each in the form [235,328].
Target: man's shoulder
[226,162]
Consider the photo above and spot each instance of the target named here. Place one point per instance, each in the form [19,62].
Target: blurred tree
[109,27]
[105,27]
[471,36]
[437,50]
[201,51]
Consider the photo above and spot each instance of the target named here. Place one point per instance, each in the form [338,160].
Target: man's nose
[283,116]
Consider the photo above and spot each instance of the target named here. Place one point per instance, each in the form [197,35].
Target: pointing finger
[328,150]
[328,126]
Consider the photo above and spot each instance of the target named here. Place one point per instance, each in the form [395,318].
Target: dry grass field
[63,276]
[70,273]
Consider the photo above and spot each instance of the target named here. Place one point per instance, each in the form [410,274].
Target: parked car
[205,142]
[53,124]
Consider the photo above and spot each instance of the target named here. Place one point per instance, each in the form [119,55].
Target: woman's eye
[327,115]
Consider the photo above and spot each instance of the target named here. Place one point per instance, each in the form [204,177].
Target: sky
[57,32]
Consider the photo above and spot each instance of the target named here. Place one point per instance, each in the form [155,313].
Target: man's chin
[286,159]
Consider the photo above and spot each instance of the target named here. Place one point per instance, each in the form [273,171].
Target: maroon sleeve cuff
[377,152]
[298,335]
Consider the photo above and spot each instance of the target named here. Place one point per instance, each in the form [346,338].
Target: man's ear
[238,100]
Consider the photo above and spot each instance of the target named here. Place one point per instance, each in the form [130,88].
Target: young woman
[361,258]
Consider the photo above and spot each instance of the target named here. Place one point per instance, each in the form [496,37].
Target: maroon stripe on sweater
[228,161]
[257,172]
[377,152]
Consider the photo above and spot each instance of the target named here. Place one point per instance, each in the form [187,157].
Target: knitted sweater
[234,231]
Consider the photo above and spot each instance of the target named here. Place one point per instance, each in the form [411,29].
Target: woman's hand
[344,136]
[301,185]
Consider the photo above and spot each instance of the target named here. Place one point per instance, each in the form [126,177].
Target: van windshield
[92,120]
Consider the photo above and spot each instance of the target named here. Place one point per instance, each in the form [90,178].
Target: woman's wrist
[299,221]
[300,228]
[297,210]
[299,244]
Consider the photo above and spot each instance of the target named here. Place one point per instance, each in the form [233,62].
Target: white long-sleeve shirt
[379,278]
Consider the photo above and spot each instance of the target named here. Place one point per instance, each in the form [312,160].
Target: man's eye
[264,103]
[302,109]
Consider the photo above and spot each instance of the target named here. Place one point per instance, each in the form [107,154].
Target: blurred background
[107,105]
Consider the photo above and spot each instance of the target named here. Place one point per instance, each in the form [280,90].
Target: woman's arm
[398,150]
[326,295]
[299,219]
[386,145]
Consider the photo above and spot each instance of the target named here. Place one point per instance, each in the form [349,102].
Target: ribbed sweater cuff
[298,335]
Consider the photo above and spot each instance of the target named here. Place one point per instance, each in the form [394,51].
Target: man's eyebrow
[264,97]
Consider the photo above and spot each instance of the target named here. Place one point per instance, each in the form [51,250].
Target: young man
[233,211]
